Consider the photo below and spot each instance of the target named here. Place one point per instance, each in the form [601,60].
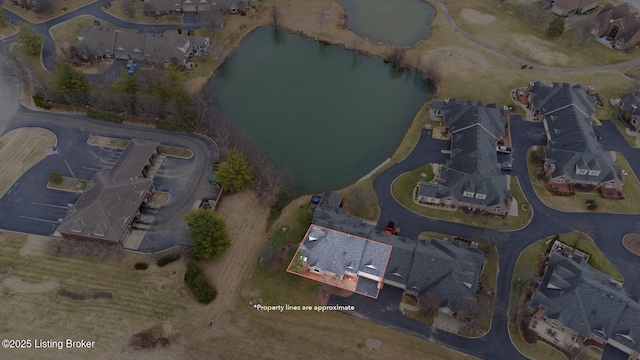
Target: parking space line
[36,219]
[54,206]
[88,168]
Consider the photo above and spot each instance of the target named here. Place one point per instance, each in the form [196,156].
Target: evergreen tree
[235,173]
[556,27]
[208,233]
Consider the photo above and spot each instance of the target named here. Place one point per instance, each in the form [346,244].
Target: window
[447,202]
[496,210]
[481,196]
[468,194]
[560,181]
[609,185]
[594,172]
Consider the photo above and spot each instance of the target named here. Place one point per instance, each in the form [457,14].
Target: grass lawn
[33,309]
[58,8]
[400,190]
[536,351]
[576,203]
[520,30]
[117,10]
[489,276]
[7,29]
[435,235]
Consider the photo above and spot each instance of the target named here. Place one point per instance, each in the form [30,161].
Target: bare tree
[429,67]
[275,15]
[429,304]
[464,307]
[359,198]
[396,56]
[128,7]
[585,230]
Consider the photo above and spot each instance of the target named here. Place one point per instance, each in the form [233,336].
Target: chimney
[591,90]
[446,101]
[531,84]
[505,110]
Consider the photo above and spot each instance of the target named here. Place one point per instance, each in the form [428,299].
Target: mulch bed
[632,243]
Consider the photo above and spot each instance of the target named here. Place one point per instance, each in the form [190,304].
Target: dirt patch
[16,284]
[157,336]
[631,242]
[160,197]
[85,296]
[23,148]
[5,270]
[541,50]
[246,221]
[476,17]
[459,61]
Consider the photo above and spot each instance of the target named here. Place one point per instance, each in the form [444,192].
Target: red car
[391,226]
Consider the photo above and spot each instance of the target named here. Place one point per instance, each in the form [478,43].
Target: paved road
[10,92]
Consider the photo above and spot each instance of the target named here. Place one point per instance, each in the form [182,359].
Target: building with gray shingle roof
[574,157]
[629,111]
[449,270]
[577,299]
[105,211]
[471,177]
[99,42]
[343,260]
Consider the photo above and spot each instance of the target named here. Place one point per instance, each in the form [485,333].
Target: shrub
[167,260]
[104,116]
[41,102]
[55,177]
[175,127]
[141,266]
[591,204]
[197,282]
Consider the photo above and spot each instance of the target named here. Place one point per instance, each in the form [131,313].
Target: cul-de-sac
[321,179]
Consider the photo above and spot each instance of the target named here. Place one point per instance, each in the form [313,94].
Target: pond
[328,114]
[398,22]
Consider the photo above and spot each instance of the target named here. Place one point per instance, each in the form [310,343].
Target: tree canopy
[29,39]
[208,233]
[70,83]
[235,173]
[556,27]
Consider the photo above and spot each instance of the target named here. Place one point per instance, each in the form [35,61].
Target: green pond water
[397,22]
[328,114]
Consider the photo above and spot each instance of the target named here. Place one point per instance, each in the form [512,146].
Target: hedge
[197,282]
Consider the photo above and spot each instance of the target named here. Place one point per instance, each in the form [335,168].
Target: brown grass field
[16,158]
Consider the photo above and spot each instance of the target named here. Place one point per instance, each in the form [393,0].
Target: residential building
[568,7]
[629,111]
[574,159]
[105,211]
[471,178]
[165,7]
[585,304]
[337,245]
[449,270]
[343,260]
[96,42]
[619,25]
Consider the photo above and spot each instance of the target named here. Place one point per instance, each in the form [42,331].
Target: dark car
[391,226]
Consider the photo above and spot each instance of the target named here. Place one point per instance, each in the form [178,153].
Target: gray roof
[340,253]
[424,266]
[549,99]
[105,210]
[587,301]
[572,140]
[133,159]
[472,166]
[157,48]
[329,214]
[627,100]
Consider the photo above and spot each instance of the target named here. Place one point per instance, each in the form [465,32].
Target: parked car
[391,226]
[133,68]
[505,166]
[503,149]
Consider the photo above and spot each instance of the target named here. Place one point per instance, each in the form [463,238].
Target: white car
[503,149]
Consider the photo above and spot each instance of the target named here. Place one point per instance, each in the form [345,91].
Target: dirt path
[246,221]
[20,149]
